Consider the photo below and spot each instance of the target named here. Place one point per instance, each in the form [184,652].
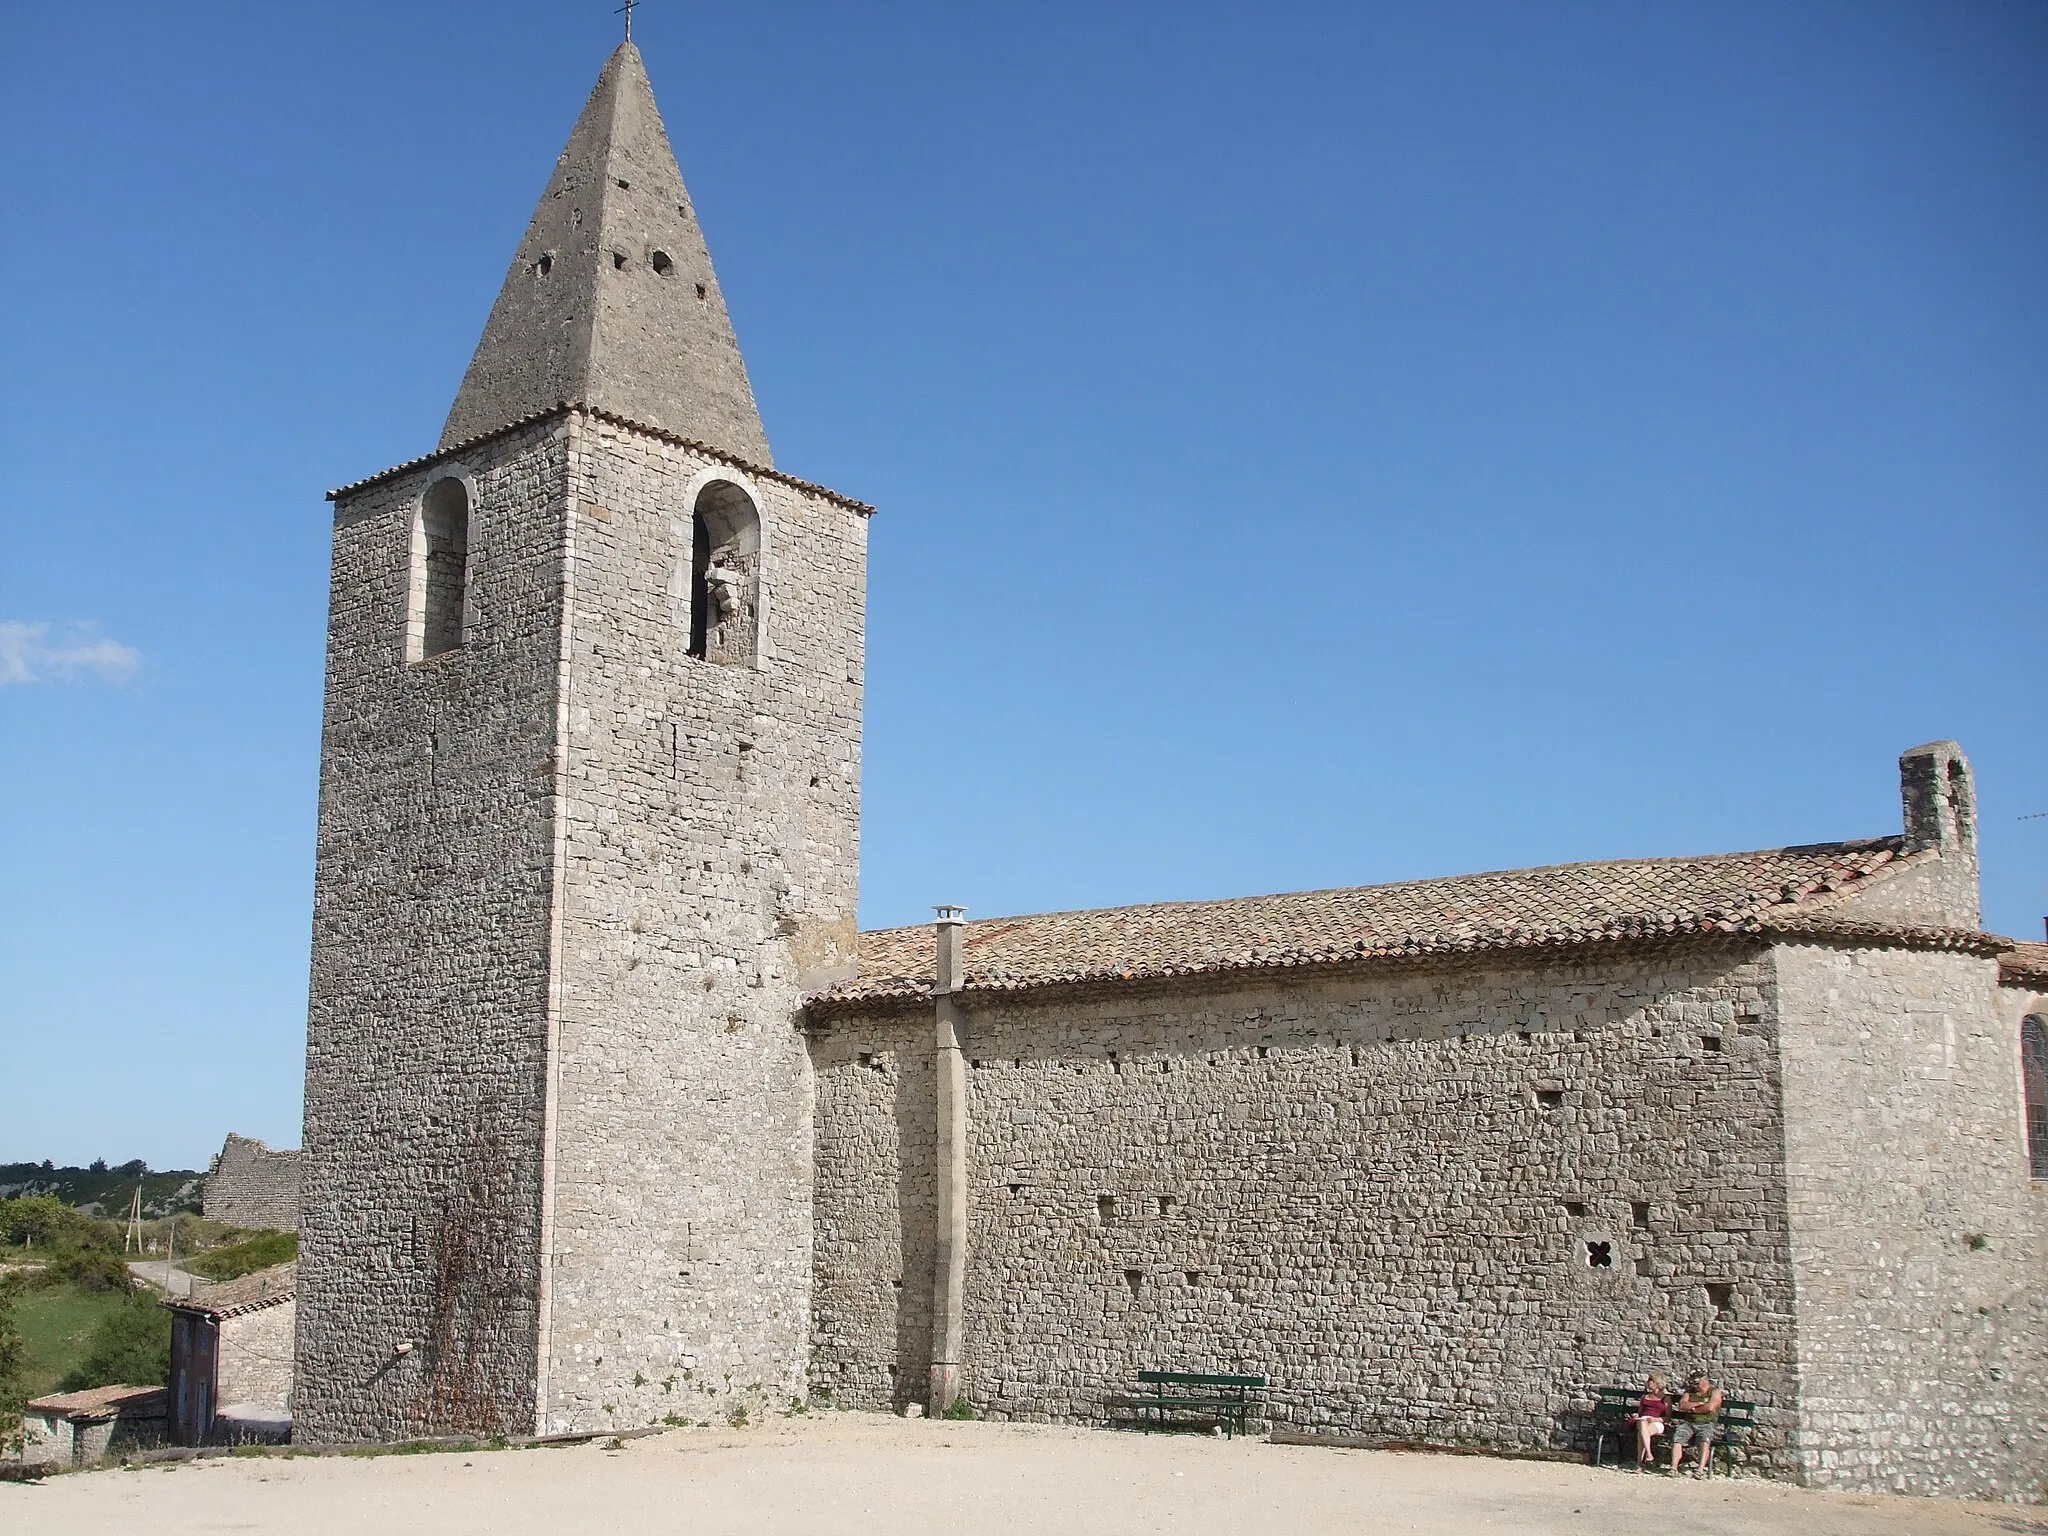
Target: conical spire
[611,299]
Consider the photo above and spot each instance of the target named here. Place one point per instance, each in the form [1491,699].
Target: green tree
[37,1219]
[13,1359]
[131,1347]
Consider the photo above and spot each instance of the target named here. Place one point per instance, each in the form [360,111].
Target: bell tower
[589,825]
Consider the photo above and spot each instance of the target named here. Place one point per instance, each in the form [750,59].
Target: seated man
[1698,1415]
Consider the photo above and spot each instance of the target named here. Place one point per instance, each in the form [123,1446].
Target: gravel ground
[866,1473]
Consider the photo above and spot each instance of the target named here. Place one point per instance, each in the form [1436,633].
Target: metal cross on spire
[626,11]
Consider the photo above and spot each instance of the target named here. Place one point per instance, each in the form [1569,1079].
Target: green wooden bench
[1613,1406]
[1229,1400]
[1611,1409]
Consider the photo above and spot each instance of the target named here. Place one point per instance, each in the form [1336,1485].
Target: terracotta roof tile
[2025,965]
[246,1293]
[1779,889]
[98,1403]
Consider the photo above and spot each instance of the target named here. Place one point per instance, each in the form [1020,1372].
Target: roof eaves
[889,994]
[231,1309]
[562,408]
[2024,965]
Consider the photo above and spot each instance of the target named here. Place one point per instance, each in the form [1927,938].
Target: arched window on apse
[2034,1071]
[440,572]
[725,575]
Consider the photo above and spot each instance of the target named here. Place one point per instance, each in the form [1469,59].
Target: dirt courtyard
[866,1473]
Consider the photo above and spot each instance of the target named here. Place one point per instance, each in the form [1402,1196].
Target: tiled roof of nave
[1553,906]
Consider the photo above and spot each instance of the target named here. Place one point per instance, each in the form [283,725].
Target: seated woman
[1698,1411]
[1653,1412]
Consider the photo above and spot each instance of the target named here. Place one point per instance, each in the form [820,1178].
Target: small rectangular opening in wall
[1105,1208]
[1262,1053]
[1643,1268]
[1016,1190]
[1114,1064]
[1575,1207]
[1639,1215]
[1356,1060]
[1166,1205]
[1550,1098]
[1135,1279]
[1722,1294]
[1194,1276]
[1710,1042]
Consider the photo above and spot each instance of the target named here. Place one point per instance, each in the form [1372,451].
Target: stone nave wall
[427,1022]
[1917,1232]
[1435,1204]
[710,864]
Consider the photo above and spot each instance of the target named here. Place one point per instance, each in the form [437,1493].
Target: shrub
[132,1346]
[91,1269]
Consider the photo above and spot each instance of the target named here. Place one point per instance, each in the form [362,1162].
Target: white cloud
[27,656]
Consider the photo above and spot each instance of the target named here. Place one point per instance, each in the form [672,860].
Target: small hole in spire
[662,264]
[544,266]
[619,260]
[700,290]
[624,185]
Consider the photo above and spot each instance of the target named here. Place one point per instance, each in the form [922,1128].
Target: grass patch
[58,1324]
[246,1257]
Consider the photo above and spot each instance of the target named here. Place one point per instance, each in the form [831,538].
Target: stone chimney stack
[949,974]
[1940,798]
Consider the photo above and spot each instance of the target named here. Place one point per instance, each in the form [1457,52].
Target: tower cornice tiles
[611,299]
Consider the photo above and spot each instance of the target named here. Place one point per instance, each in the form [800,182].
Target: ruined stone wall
[710,865]
[427,1024]
[248,1185]
[255,1361]
[1382,1191]
[1917,1234]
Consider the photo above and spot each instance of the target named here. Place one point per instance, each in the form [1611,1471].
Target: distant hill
[103,1191]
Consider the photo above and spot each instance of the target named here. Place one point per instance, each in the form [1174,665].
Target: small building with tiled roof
[231,1358]
[78,1429]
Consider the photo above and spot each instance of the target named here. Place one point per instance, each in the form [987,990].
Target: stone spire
[611,300]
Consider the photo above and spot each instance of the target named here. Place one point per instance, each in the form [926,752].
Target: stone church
[613,1118]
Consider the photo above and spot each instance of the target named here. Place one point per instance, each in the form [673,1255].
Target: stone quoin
[612,1118]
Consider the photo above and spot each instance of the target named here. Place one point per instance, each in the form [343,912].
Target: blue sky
[1315,445]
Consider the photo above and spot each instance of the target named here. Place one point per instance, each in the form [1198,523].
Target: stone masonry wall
[248,1185]
[255,1362]
[427,1024]
[1383,1191]
[1917,1234]
[710,864]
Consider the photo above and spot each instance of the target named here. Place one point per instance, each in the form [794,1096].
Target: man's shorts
[1687,1430]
